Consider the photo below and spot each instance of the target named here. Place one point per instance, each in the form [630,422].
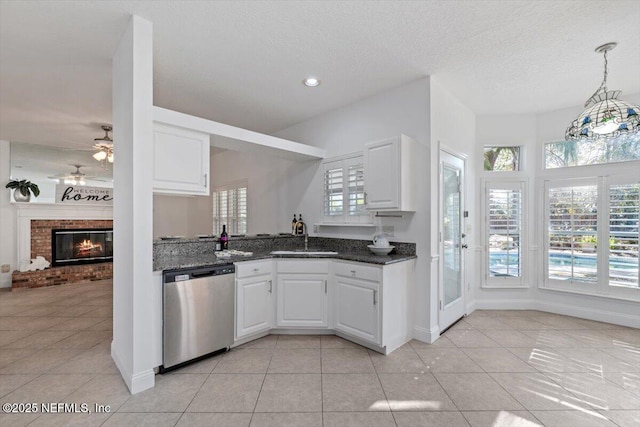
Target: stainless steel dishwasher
[198,307]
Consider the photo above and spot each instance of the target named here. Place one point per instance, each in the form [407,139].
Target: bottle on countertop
[224,238]
[293,224]
[300,226]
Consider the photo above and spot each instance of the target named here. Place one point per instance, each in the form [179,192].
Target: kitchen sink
[303,252]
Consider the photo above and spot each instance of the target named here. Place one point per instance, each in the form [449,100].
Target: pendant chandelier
[605,116]
[104,146]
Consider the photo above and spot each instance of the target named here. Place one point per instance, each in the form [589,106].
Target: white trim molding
[136,383]
[26,212]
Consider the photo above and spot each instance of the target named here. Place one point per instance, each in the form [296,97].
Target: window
[344,191]
[501,158]
[230,208]
[572,233]
[624,216]
[503,233]
[592,239]
[580,153]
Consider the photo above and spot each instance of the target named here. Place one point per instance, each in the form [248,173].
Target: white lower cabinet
[302,294]
[366,303]
[357,311]
[254,305]
[302,300]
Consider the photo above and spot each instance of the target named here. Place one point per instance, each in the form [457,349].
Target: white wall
[266,177]
[8,250]
[404,109]
[532,131]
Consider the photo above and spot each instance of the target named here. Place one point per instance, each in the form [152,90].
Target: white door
[451,289]
[253,304]
[357,309]
[302,300]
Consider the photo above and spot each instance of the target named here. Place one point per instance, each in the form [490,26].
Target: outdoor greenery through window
[580,153]
[230,208]
[624,216]
[504,232]
[501,158]
[593,234]
[573,227]
[344,191]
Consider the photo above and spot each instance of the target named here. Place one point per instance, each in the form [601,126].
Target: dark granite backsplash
[191,247]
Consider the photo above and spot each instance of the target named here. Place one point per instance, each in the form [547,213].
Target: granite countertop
[172,262]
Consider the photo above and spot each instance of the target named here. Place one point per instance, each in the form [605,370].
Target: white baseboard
[426,335]
[137,382]
[564,309]
[591,314]
[506,304]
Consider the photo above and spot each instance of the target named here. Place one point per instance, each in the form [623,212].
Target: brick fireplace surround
[41,246]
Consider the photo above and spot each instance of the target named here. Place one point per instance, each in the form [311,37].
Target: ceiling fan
[104,146]
[75,177]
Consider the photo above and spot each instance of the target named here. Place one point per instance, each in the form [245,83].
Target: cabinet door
[180,161]
[357,309]
[382,174]
[253,305]
[302,300]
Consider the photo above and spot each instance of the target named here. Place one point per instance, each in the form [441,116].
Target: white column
[133,337]
[7,218]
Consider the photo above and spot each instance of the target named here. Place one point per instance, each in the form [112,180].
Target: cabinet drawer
[358,271]
[303,266]
[248,269]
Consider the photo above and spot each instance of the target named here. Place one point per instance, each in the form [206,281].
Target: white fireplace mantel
[26,212]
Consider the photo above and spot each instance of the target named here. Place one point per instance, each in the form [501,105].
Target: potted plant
[22,189]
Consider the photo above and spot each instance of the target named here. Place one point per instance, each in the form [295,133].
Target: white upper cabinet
[389,174]
[180,161]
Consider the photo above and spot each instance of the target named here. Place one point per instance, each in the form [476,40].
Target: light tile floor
[494,368]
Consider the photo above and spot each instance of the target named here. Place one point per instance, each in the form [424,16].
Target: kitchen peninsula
[353,293]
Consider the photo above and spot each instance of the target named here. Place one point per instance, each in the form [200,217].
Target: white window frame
[232,222]
[344,162]
[506,184]
[603,175]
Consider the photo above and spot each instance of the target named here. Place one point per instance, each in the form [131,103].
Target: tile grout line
[382,388]
[263,381]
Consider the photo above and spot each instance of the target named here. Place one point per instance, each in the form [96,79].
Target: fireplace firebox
[81,246]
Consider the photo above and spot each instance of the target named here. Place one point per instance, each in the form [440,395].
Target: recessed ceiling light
[311,82]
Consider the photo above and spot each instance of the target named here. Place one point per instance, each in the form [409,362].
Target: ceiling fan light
[81,182]
[100,155]
[110,157]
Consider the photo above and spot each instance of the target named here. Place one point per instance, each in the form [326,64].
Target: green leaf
[24,191]
[34,188]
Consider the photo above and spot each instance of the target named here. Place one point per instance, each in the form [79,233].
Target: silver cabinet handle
[270,286]
[205,180]
[353,272]
[375,299]
[325,286]
[365,197]
[255,270]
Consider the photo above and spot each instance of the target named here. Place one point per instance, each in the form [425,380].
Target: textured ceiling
[242,63]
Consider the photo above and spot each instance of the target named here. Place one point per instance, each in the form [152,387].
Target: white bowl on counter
[380,250]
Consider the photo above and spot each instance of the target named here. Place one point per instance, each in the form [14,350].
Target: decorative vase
[18,197]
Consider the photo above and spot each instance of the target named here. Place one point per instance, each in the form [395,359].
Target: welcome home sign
[83,195]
